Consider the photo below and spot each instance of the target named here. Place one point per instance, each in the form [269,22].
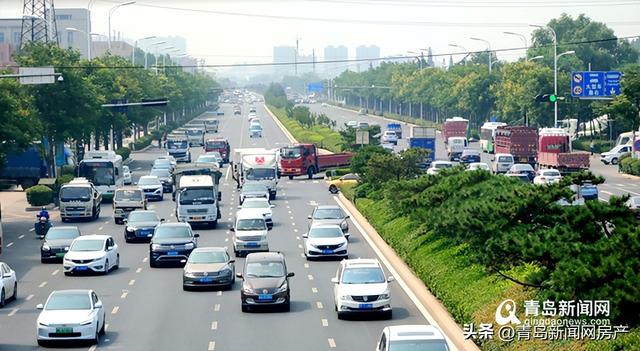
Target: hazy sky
[231,31]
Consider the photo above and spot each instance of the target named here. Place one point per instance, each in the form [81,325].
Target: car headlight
[384,296]
[189,274]
[87,322]
[345,297]
[131,229]
[283,287]
[66,260]
[45,248]
[189,246]
[247,289]
[156,246]
[344,225]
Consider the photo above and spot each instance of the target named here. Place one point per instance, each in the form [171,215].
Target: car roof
[210,249]
[94,237]
[248,213]
[265,256]
[361,262]
[175,224]
[328,207]
[414,332]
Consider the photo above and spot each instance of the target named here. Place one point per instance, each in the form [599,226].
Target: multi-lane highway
[616,183]
[147,308]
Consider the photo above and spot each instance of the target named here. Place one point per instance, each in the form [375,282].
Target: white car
[478,165]
[547,176]
[612,156]
[412,337]
[91,253]
[352,124]
[360,286]
[71,315]
[325,240]
[390,136]
[126,175]
[8,284]
[152,187]
[171,159]
[261,206]
[437,166]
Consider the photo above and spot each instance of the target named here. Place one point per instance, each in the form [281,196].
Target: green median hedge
[599,146]
[629,165]
[39,195]
[124,152]
[323,136]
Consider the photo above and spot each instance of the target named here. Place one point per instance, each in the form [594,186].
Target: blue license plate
[81,268]
[366,305]
[265,297]
[172,253]
[252,244]
[206,280]
[327,251]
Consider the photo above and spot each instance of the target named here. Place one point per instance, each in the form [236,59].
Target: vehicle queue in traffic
[360,285]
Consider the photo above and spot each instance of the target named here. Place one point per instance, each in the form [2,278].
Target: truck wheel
[27,183]
[310,172]
[214,224]
[290,177]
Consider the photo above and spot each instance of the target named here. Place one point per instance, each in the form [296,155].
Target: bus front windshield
[98,173]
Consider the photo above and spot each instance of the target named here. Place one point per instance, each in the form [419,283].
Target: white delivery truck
[178,147]
[257,165]
[455,146]
[197,200]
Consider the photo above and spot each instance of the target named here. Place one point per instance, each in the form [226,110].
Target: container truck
[301,159]
[519,141]
[554,151]
[25,168]
[423,137]
[257,165]
[454,127]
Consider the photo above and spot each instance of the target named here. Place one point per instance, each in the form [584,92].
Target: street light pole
[488,50]
[147,52]
[111,11]
[555,69]
[524,40]
[72,29]
[464,59]
[135,45]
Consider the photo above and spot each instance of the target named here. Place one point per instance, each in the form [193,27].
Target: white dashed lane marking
[55,272]
[13,311]
[42,284]
[314,290]
[216,307]
[115,310]
[310,276]
[10,244]
[332,343]
[319,305]
[132,281]
[214,325]
[21,236]
[325,323]
[212,345]
[124,294]
[139,270]
[29,297]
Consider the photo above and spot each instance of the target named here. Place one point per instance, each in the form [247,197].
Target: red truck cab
[219,144]
[301,159]
[554,151]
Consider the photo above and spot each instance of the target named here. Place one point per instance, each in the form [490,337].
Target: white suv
[612,156]
[360,286]
[412,337]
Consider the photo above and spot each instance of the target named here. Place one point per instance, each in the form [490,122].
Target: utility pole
[295,59]
[313,58]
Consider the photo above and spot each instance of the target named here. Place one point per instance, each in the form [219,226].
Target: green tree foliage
[18,117]
[276,97]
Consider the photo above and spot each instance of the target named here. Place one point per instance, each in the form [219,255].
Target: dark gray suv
[265,281]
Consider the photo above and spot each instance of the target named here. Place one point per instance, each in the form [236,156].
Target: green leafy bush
[39,195]
[599,146]
[68,169]
[322,135]
[64,179]
[142,142]
[124,152]
[629,165]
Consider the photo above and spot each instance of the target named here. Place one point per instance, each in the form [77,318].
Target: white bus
[104,170]
[487,133]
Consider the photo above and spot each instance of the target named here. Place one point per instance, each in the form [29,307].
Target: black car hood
[260,284]
[58,242]
[166,241]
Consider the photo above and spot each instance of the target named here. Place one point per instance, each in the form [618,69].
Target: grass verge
[323,136]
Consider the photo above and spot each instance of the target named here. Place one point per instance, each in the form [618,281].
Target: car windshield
[551,173]
[333,232]
[75,193]
[171,144]
[208,159]
[160,173]
[69,301]
[148,181]
[208,257]
[290,152]
[139,216]
[197,196]
[260,173]
[251,224]
[368,275]
[255,204]
[87,245]
[125,169]
[442,165]
[328,213]
[61,233]
[194,132]
[418,345]
[505,159]
[264,270]
[216,144]
[128,195]
[172,232]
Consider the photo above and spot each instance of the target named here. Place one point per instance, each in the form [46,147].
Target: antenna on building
[39,22]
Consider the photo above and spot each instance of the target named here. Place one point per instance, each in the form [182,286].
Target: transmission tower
[39,22]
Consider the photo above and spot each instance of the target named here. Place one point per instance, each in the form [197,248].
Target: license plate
[251,244]
[197,218]
[60,254]
[172,253]
[81,268]
[366,305]
[265,297]
[64,330]
[206,280]
[327,251]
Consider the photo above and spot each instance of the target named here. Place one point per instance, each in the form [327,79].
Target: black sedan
[265,281]
[172,243]
[140,225]
[469,156]
[56,243]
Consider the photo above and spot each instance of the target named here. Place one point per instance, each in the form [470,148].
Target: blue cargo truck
[25,168]
[423,137]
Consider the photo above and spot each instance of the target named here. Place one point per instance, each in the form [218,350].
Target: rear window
[128,195]
[505,159]
[216,144]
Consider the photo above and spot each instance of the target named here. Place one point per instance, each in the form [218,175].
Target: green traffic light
[553,98]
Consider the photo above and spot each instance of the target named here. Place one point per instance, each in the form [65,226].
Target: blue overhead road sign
[595,84]
[315,87]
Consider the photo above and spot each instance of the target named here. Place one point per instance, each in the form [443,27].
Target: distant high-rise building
[79,19]
[335,53]
[282,55]
[367,53]
[10,33]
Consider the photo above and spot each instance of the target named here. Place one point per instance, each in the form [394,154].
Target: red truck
[301,159]
[519,141]
[454,127]
[219,144]
[554,151]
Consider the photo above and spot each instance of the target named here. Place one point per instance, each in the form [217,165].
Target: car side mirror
[290,274]
[125,221]
[239,207]
[40,306]
[239,275]
[232,229]
[305,235]
[196,235]
[232,261]
[135,183]
[109,248]
[334,280]
[347,217]
[309,217]
[272,206]
[162,220]
[391,279]
[98,304]
[6,275]
[269,228]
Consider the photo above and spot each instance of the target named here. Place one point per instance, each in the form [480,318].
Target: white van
[196,200]
[501,163]
[455,146]
[250,233]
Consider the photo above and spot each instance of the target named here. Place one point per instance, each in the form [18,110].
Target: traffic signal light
[546,98]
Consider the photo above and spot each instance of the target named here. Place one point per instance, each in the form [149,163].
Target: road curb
[281,126]
[429,305]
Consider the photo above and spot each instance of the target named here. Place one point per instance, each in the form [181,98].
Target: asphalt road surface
[617,184]
[148,310]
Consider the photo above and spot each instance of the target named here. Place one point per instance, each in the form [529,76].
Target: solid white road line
[628,191]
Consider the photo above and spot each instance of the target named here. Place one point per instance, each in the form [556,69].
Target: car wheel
[2,298]
[42,343]
[106,267]
[153,264]
[388,314]
[310,172]
[104,322]
[67,273]
[340,315]
[614,161]
[117,262]
[14,297]
[214,224]
[185,288]
[96,339]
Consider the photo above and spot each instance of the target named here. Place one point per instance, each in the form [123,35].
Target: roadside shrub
[142,142]
[68,169]
[39,195]
[630,165]
[599,146]
[124,152]
[64,179]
